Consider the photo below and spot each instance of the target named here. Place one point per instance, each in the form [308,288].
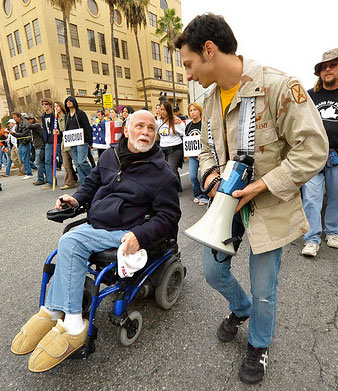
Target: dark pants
[174,156]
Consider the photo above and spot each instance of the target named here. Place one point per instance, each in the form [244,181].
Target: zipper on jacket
[118,178]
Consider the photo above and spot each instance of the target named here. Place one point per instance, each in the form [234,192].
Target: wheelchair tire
[128,335]
[168,292]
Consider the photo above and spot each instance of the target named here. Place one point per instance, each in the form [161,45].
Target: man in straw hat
[325,97]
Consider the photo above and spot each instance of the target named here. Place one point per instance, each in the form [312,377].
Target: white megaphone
[214,229]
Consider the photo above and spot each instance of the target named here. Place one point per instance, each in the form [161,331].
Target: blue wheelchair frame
[126,290]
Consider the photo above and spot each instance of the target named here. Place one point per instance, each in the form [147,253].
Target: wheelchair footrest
[88,349]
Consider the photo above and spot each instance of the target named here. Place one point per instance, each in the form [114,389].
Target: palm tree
[112,4]
[66,6]
[135,14]
[6,86]
[170,25]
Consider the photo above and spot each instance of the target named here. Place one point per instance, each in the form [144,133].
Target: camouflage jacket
[291,147]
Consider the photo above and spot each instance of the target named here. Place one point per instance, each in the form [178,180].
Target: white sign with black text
[73,137]
[192,145]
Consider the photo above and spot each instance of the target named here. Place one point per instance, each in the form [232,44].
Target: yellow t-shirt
[227,96]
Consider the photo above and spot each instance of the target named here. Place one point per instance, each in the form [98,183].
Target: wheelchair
[162,277]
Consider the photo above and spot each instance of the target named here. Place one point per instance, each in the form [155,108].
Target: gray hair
[130,118]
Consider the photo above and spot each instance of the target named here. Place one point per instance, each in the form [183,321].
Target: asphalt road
[177,349]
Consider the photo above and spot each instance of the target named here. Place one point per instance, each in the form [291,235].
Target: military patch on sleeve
[298,93]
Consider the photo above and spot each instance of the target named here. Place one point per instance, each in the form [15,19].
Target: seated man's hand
[131,244]
[69,200]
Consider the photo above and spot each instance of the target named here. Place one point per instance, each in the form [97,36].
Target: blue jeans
[313,195]
[40,163]
[193,175]
[75,247]
[25,155]
[261,308]
[79,156]
[9,163]
[2,157]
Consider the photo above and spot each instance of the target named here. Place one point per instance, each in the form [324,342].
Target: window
[179,77]
[42,62]
[82,92]
[155,48]
[60,30]
[78,64]
[117,17]
[169,75]
[16,72]
[74,36]
[11,45]
[102,43]
[118,71]
[28,99]
[105,69]
[152,19]
[178,58]
[64,61]
[38,96]
[95,67]
[34,65]
[127,73]
[163,4]
[22,101]
[68,91]
[17,41]
[167,56]
[92,6]
[91,40]
[47,93]
[158,73]
[125,50]
[29,36]
[116,47]
[23,70]
[37,33]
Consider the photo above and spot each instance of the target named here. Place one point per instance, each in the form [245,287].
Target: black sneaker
[227,330]
[254,365]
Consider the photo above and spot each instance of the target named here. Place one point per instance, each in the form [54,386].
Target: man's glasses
[330,65]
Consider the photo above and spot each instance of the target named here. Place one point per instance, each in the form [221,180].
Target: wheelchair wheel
[129,333]
[167,293]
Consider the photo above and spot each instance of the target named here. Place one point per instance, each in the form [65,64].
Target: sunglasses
[330,65]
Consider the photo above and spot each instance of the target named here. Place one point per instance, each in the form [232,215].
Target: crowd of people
[295,151]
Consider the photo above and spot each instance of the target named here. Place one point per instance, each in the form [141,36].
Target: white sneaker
[27,177]
[310,249]
[332,240]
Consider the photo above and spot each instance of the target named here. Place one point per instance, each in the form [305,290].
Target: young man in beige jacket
[290,147]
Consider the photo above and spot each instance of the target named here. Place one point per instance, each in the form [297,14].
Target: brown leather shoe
[21,173]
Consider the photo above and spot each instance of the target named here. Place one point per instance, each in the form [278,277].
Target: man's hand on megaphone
[249,192]
[208,180]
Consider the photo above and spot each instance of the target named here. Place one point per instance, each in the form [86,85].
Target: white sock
[55,315]
[73,323]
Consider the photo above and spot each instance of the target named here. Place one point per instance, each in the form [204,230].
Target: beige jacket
[291,147]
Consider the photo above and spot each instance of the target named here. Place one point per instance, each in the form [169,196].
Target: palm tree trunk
[6,86]
[111,9]
[69,69]
[142,73]
[172,71]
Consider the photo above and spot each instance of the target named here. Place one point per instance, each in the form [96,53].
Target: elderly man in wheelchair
[129,181]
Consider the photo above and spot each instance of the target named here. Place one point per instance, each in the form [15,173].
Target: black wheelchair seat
[104,257]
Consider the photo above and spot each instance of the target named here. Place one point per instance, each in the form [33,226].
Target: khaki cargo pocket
[267,152]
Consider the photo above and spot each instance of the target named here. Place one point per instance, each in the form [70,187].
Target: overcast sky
[290,35]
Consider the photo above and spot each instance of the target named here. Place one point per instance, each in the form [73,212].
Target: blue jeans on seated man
[25,155]
[75,247]
[79,156]
[313,196]
[40,163]
[262,307]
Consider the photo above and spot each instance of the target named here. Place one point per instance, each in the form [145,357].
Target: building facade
[33,49]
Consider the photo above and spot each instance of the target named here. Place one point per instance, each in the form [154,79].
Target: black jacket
[120,200]
[48,135]
[37,133]
[79,120]
[23,134]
